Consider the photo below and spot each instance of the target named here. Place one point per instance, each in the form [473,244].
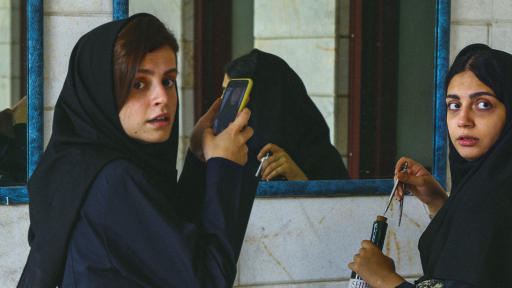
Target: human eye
[139,85]
[453,106]
[169,82]
[483,105]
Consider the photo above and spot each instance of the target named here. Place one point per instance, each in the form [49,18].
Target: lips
[161,120]
[467,140]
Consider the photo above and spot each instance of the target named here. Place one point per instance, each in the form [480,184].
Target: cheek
[451,122]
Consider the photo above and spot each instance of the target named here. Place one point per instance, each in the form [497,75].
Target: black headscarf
[470,238]
[282,113]
[87,135]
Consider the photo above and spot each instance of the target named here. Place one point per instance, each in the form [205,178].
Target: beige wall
[10,53]
[290,242]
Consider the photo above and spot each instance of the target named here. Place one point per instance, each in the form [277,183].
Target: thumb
[213,109]
[208,135]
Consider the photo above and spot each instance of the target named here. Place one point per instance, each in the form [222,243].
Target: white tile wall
[472,10]
[48,126]
[501,37]
[14,220]
[341,127]
[59,41]
[312,58]
[169,12]
[285,19]
[5,60]
[501,10]
[463,35]
[313,239]
[62,6]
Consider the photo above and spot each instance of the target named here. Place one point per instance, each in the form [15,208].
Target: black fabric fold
[470,238]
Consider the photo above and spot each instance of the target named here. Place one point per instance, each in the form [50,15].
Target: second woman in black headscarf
[468,242]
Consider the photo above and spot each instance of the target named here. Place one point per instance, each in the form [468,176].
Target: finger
[210,114]
[264,151]
[241,121]
[247,133]
[400,164]
[366,244]
[276,172]
[265,167]
[208,135]
[410,179]
[351,265]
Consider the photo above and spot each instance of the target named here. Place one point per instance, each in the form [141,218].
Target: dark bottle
[378,235]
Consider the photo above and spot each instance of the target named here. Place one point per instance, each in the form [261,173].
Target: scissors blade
[391,197]
[401,209]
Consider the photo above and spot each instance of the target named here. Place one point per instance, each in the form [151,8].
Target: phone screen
[230,105]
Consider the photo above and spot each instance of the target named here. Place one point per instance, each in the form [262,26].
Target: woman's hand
[279,163]
[196,137]
[377,269]
[229,144]
[421,184]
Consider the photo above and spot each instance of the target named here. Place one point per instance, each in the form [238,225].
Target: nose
[465,118]
[159,96]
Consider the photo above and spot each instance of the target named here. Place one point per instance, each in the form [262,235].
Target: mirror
[34,91]
[13,104]
[419,61]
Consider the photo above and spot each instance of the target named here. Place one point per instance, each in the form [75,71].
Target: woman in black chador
[286,122]
[468,242]
[106,208]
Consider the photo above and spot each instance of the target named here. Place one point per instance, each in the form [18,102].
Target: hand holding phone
[230,144]
[234,99]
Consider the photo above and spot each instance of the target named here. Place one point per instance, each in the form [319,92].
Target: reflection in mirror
[396,89]
[13,103]
[411,62]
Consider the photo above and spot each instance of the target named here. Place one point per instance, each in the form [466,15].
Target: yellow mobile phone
[234,99]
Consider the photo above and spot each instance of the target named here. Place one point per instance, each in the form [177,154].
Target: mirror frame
[35,104]
[380,186]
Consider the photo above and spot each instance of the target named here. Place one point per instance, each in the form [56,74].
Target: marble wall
[308,36]
[290,242]
[10,51]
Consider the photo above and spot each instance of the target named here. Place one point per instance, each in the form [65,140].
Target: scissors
[261,165]
[393,194]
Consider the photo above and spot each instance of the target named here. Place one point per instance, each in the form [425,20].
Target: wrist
[436,204]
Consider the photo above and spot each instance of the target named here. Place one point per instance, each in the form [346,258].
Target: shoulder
[118,175]
[119,169]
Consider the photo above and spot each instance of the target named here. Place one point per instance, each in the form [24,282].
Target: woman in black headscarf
[468,242]
[105,207]
[286,122]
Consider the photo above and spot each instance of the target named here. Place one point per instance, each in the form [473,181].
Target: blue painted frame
[372,187]
[12,195]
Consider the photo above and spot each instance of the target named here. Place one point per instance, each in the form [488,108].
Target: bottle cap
[382,218]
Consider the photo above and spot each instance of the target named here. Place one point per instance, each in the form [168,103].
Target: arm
[377,269]
[280,163]
[148,242]
[421,184]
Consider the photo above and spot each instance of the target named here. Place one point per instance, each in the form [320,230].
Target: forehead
[162,56]
[466,83]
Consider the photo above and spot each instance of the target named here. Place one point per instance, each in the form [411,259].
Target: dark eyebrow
[151,73]
[471,96]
